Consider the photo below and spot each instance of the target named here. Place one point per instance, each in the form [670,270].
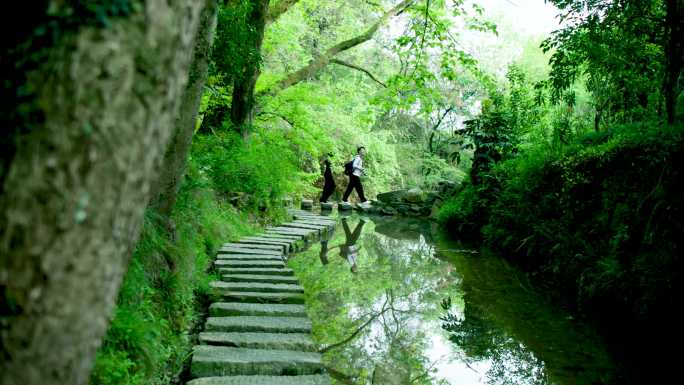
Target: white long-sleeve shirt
[357,165]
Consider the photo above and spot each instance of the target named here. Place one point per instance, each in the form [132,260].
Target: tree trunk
[175,158]
[673,55]
[242,105]
[77,186]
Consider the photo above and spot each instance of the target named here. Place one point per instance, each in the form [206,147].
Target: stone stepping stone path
[258,333]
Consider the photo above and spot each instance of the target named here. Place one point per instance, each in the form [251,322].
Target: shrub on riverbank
[600,220]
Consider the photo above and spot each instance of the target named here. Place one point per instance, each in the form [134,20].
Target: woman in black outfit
[329,182]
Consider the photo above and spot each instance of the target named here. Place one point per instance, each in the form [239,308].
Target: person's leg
[353,182]
[328,190]
[359,189]
[347,233]
[350,186]
[357,231]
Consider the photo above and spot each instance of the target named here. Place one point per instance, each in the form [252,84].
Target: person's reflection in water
[349,250]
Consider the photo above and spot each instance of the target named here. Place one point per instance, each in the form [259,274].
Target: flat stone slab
[246,250]
[250,257]
[262,239]
[344,206]
[293,238]
[263,380]
[225,309]
[256,270]
[306,215]
[257,287]
[254,245]
[210,361]
[262,297]
[291,230]
[315,221]
[259,278]
[234,263]
[258,324]
[304,226]
[300,236]
[282,341]
[283,244]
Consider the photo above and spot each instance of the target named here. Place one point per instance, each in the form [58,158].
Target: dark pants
[329,183]
[354,183]
[328,190]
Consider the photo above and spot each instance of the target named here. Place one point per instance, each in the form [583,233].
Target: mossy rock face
[414,195]
[392,196]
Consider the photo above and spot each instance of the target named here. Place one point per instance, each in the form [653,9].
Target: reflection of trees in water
[386,347]
[510,362]
[381,343]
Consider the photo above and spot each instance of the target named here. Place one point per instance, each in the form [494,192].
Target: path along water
[391,302]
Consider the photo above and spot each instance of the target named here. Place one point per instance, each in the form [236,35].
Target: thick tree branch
[281,7]
[323,60]
[352,66]
[357,331]
[439,122]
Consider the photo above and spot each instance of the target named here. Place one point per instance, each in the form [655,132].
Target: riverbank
[598,223]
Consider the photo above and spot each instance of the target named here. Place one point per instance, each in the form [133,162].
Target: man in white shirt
[355,177]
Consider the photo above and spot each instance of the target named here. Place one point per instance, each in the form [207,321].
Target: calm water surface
[394,303]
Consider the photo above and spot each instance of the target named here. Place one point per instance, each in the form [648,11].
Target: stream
[392,301]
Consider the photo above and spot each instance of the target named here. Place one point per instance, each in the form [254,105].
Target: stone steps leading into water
[254,245]
[225,309]
[211,360]
[247,250]
[258,278]
[258,324]
[256,270]
[232,263]
[260,334]
[287,246]
[257,287]
[263,380]
[261,297]
[250,257]
[288,237]
[279,341]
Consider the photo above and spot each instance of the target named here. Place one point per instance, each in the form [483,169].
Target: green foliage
[161,297]
[599,219]
[617,49]
[264,168]
[233,49]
